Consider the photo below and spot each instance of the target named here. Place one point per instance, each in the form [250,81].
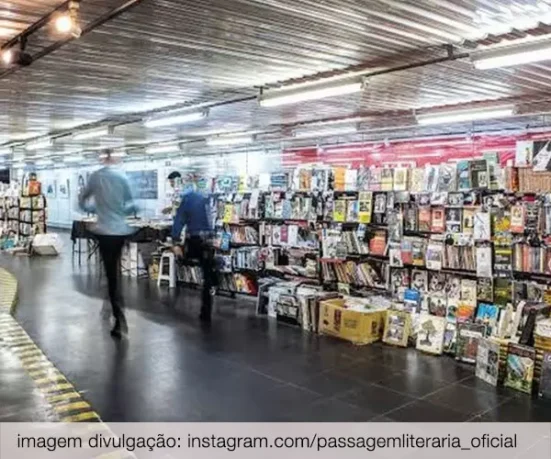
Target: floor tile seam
[482,413]
[15,336]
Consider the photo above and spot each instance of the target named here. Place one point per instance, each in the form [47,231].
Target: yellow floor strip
[57,391]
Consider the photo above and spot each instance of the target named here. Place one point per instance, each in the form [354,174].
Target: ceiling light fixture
[509,56]
[326,132]
[17,55]
[118,154]
[458,116]
[74,159]
[67,23]
[175,119]
[301,93]
[92,133]
[158,149]
[44,162]
[229,140]
[7,56]
[38,144]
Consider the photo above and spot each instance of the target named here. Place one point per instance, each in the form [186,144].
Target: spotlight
[67,23]
[16,57]
[7,56]
[64,23]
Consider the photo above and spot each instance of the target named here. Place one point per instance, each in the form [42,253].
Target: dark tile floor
[243,368]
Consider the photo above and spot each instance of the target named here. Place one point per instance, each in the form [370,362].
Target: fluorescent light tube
[326,132]
[458,116]
[44,162]
[292,95]
[118,154]
[91,133]
[163,149]
[229,140]
[512,55]
[175,119]
[38,144]
[73,159]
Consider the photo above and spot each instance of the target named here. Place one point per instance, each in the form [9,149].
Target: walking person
[194,214]
[108,195]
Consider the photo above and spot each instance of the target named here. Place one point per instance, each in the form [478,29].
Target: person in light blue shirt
[108,195]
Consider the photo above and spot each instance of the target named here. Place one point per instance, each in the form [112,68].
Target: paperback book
[397,328]
[487,361]
[545,377]
[430,336]
[468,337]
[520,367]
[463,176]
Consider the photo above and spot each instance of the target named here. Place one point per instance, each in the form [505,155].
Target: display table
[145,231]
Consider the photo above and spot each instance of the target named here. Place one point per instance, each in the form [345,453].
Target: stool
[167,269]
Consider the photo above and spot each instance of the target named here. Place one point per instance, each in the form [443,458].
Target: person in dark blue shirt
[194,213]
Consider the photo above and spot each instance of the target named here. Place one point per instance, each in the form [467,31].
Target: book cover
[387,181]
[438,305]
[453,220]
[438,223]
[412,300]
[339,178]
[437,283]
[468,337]
[452,307]
[375,179]
[365,206]
[351,179]
[397,328]
[430,337]
[438,199]
[468,220]
[520,367]
[380,203]
[425,218]
[363,179]
[484,262]
[545,377]
[319,180]
[417,177]
[465,312]
[463,176]
[419,280]
[482,226]
[352,211]
[455,199]
[469,291]
[430,182]
[524,153]
[377,244]
[406,250]
[418,247]
[485,290]
[400,178]
[503,257]
[450,339]
[433,256]
[518,218]
[502,291]
[487,315]
[395,256]
[410,218]
[447,178]
[339,210]
[502,220]
[479,173]
[453,287]
[487,361]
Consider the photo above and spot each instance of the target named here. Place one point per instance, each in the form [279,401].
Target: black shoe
[120,330]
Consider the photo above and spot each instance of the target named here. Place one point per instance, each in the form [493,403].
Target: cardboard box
[358,327]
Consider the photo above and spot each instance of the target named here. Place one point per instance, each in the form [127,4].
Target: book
[380,203]
[532,314]
[377,244]
[438,223]
[487,315]
[544,390]
[387,181]
[468,337]
[437,283]
[502,220]
[430,337]
[410,218]
[437,305]
[419,280]
[503,257]
[400,178]
[339,178]
[417,177]
[375,179]
[524,153]
[453,287]
[352,211]
[453,220]
[450,339]
[438,199]
[520,367]
[365,206]
[467,225]
[468,291]
[479,173]
[482,226]
[433,256]
[397,328]
[339,210]
[447,177]
[452,307]
[362,181]
[485,290]
[487,361]
[502,291]
[412,300]
[406,250]
[465,312]
[395,256]
[518,217]
[425,218]
[430,182]
[463,176]
[484,262]
[350,179]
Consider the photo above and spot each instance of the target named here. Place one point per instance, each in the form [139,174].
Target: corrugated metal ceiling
[163,53]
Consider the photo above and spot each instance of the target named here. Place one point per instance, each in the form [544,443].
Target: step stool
[167,269]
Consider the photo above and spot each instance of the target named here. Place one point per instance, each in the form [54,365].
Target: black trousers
[110,248]
[199,248]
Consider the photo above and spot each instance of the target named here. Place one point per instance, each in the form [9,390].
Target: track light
[92,133]
[311,91]
[458,116]
[512,55]
[38,144]
[7,56]
[175,119]
[16,56]
[67,23]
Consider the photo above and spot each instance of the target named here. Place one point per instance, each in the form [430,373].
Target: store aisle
[243,368]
